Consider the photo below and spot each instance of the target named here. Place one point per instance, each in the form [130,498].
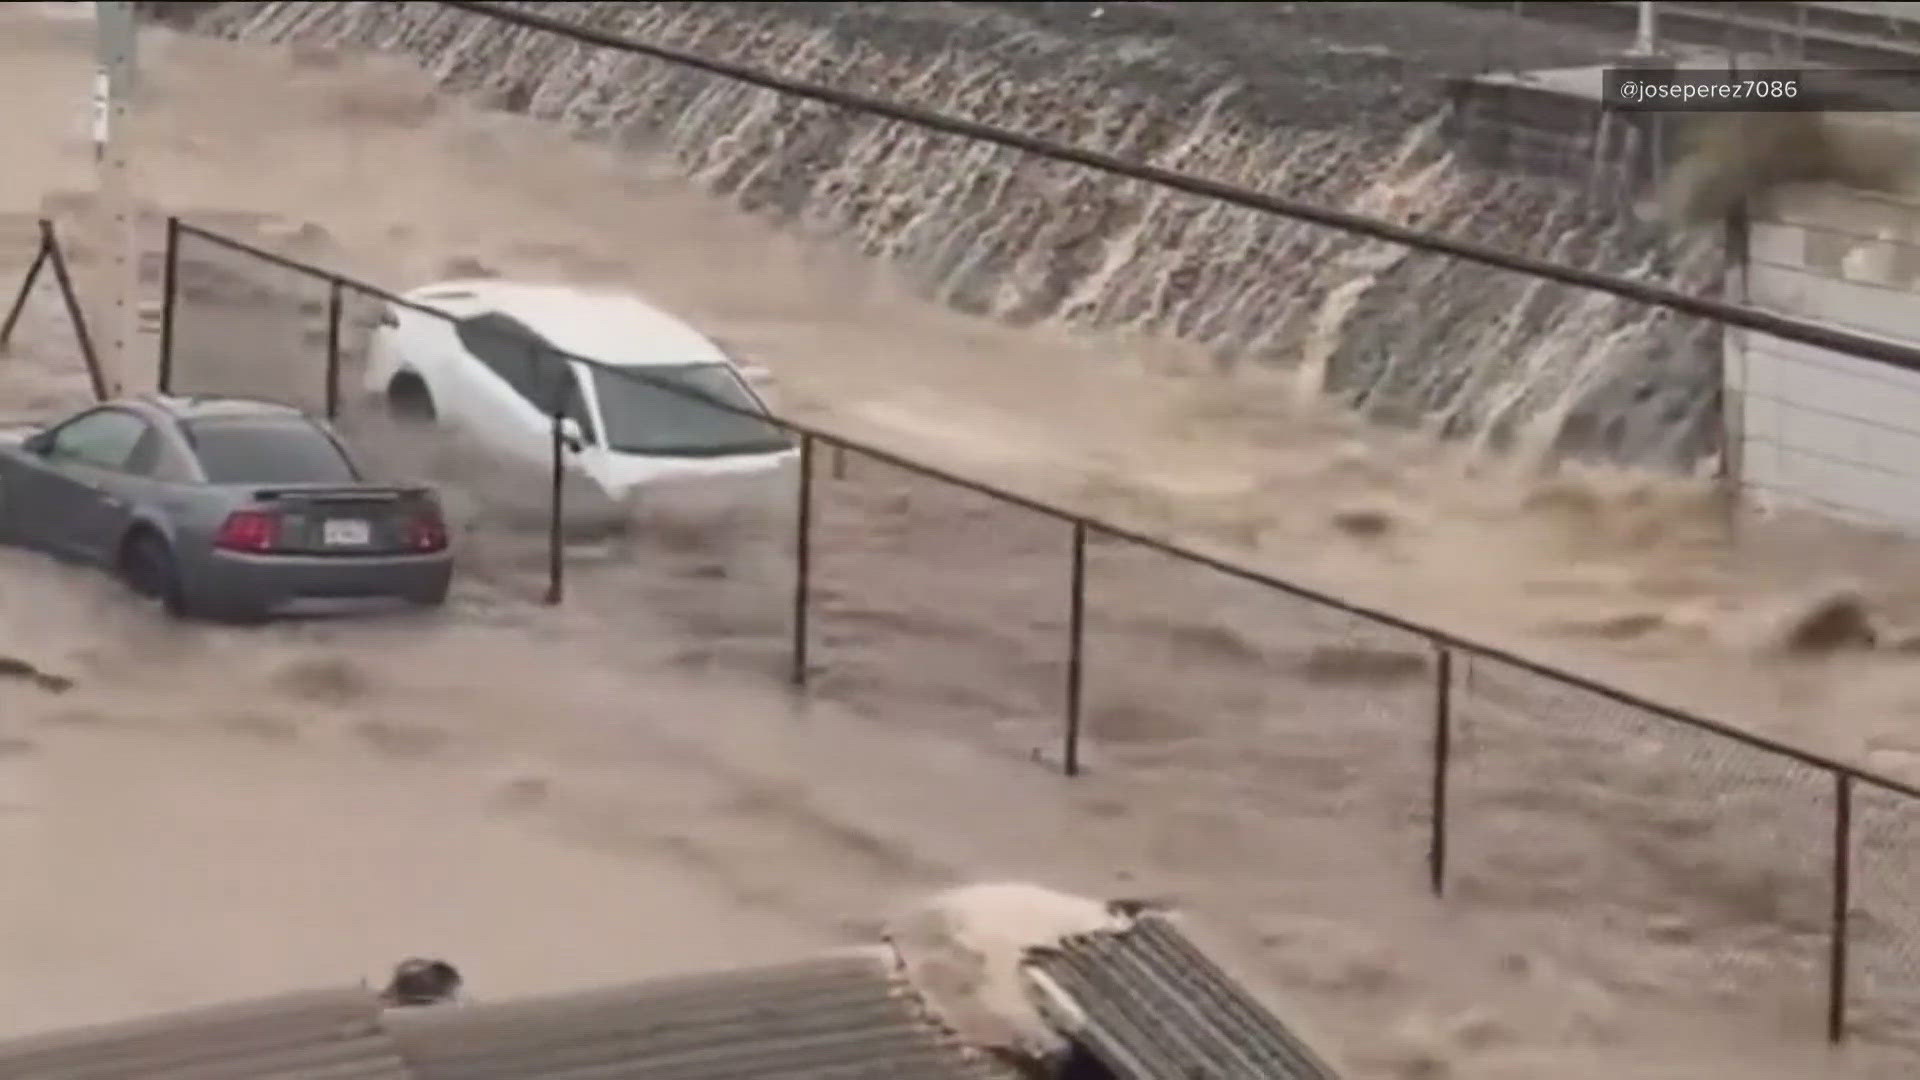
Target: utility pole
[114,88]
[1643,35]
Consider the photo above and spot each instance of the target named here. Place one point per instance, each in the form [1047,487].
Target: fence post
[26,287]
[169,290]
[802,560]
[1842,905]
[1442,760]
[335,302]
[556,555]
[59,261]
[1076,647]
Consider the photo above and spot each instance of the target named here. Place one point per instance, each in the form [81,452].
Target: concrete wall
[1805,426]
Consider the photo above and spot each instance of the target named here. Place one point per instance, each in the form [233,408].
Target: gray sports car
[220,507]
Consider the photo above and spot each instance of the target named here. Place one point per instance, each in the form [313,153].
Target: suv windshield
[267,451]
[647,419]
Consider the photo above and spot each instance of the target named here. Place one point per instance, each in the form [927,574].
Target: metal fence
[50,257]
[1519,786]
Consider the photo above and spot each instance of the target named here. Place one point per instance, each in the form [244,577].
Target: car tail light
[249,530]
[427,531]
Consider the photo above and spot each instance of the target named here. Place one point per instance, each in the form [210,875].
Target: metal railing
[1453,657]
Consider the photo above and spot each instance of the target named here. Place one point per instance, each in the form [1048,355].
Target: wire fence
[1579,810]
[1717,856]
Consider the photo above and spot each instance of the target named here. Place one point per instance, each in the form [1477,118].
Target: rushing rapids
[1321,102]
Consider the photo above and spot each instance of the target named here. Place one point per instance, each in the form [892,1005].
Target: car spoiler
[346,493]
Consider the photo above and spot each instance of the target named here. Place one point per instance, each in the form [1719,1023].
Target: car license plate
[345,532]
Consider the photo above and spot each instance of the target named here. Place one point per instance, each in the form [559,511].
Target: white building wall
[1891,9]
[1813,428]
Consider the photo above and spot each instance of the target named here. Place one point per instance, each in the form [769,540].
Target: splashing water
[1325,105]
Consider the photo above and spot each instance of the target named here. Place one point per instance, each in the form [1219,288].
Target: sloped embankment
[1325,102]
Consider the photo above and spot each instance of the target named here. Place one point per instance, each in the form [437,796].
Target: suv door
[506,403]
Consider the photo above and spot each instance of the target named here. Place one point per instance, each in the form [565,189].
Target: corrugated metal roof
[837,1018]
[844,1017]
[314,1035]
[1150,1005]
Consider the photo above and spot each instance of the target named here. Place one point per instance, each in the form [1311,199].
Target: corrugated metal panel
[839,1018]
[1154,1007]
[316,1035]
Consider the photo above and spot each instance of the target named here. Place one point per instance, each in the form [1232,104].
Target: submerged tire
[148,568]
[409,400]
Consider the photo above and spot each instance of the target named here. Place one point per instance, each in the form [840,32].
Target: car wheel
[147,566]
[408,399]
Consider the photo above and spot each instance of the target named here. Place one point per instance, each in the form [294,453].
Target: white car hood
[621,474]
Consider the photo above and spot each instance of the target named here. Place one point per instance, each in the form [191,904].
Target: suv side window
[103,439]
[507,347]
[528,364]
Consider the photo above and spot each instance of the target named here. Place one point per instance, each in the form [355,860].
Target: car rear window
[272,451]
